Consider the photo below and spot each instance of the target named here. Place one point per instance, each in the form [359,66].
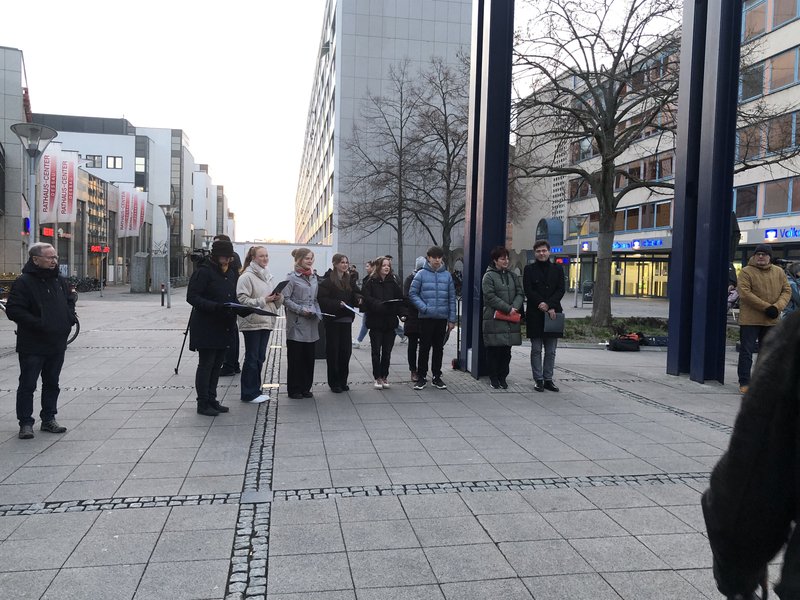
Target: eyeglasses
[55,258]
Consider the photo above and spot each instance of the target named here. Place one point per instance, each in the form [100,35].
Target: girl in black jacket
[382,302]
[211,324]
[334,292]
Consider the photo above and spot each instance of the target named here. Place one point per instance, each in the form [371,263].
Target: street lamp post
[169,211]
[35,139]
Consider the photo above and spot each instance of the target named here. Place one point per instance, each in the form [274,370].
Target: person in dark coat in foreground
[543,282]
[211,323]
[753,502]
[42,306]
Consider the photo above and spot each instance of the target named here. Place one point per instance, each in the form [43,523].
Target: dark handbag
[554,325]
[501,316]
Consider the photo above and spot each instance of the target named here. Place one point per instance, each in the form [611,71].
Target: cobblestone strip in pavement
[247,577]
[43,508]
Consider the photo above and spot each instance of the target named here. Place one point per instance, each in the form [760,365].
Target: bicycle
[74,331]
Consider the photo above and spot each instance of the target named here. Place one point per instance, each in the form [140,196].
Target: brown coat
[759,288]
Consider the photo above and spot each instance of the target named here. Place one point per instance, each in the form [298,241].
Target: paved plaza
[459,494]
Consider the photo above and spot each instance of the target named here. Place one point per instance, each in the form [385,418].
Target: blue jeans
[748,336]
[545,371]
[30,367]
[255,353]
[363,333]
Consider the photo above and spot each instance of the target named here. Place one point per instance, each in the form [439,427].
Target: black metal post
[703,204]
[490,126]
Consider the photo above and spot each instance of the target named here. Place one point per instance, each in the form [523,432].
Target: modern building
[360,41]
[766,198]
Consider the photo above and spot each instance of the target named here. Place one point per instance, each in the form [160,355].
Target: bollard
[163,293]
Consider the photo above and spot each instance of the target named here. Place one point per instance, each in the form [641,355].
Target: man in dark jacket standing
[752,506]
[543,282]
[41,305]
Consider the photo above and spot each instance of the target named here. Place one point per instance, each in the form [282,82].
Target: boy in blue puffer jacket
[433,293]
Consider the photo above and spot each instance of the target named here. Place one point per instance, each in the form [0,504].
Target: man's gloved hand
[771,312]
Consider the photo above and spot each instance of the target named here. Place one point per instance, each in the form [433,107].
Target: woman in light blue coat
[302,324]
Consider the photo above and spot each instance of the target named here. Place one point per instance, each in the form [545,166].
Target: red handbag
[501,316]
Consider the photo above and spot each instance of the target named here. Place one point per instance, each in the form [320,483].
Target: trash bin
[588,291]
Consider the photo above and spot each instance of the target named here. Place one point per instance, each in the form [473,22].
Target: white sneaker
[385,383]
[260,399]
[378,384]
[356,344]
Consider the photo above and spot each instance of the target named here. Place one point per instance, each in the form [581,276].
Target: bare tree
[603,76]
[604,81]
[383,150]
[438,179]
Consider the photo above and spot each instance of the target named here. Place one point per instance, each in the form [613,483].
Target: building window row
[653,215]
[761,16]
[770,75]
[771,137]
[778,197]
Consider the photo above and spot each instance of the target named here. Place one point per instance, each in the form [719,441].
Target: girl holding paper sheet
[302,324]
[383,300]
[337,297]
[254,288]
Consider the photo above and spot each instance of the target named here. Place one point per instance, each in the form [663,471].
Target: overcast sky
[235,76]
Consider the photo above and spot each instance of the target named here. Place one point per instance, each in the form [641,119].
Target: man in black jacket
[41,305]
[752,506]
[230,366]
[543,282]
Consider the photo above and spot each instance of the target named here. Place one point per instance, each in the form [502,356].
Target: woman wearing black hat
[211,323]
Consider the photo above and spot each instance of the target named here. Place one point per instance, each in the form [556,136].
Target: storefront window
[776,197]
[745,200]
[663,214]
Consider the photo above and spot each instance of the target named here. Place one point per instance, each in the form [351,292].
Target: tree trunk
[601,303]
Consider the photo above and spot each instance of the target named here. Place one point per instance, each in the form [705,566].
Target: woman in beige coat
[254,288]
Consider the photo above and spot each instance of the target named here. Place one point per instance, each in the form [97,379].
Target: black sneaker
[308,395]
[25,432]
[421,383]
[206,410]
[52,427]
[438,383]
[503,383]
[538,385]
[549,385]
[218,407]
[494,383]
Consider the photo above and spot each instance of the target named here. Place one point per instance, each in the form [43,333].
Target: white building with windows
[359,42]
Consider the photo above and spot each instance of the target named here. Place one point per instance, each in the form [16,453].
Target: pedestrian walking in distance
[302,324]
[211,323]
[43,307]
[433,293]
[543,282]
[502,300]
[383,301]
[254,288]
[336,293]
[764,292]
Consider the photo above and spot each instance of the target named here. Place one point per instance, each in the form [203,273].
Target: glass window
[632,219]
[776,197]
[665,166]
[619,220]
[746,198]
[795,204]
[94,161]
[779,133]
[594,222]
[753,81]
[648,216]
[782,69]
[651,168]
[663,214]
[749,143]
[140,164]
[782,11]
[113,162]
[755,19]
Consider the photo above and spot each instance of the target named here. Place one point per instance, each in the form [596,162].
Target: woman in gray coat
[503,293]
[302,324]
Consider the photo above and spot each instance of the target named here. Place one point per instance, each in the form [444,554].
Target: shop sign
[556,250]
[585,246]
[638,244]
[782,233]
[100,249]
